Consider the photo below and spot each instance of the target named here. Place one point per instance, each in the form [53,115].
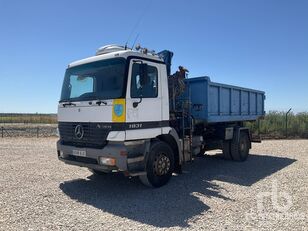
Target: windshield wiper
[99,102]
[68,103]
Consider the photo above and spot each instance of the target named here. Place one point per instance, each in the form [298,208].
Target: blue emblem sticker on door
[118,109]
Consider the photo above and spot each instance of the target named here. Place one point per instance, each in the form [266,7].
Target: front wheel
[159,165]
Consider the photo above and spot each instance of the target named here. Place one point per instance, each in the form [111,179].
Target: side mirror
[143,71]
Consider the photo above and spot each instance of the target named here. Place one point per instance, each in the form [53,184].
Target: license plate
[79,153]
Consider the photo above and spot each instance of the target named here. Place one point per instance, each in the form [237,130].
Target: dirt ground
[267,192]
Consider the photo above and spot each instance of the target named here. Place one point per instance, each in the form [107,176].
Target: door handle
[135,104]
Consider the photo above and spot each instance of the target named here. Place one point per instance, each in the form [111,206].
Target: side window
[150,86]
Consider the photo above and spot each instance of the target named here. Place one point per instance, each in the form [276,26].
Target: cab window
[149,88]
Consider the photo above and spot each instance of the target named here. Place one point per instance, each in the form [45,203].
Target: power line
[137,23]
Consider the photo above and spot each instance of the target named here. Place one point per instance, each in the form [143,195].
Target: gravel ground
[267,192]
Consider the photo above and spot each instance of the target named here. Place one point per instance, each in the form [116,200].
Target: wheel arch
[172,140]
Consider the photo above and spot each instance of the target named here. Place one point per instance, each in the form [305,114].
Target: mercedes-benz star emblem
[79,132]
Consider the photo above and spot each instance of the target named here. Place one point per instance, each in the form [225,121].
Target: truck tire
[240,146]
[159,165]
[226,150]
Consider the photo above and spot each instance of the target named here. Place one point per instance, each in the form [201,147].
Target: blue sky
[261,44]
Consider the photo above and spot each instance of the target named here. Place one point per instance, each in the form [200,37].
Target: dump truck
[122,110]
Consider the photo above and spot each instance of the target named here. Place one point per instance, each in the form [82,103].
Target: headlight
[107,161]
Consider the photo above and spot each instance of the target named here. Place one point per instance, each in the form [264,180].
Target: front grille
[94,135]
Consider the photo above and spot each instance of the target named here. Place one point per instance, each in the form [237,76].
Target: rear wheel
[159,165]
[226,150]
[240,146]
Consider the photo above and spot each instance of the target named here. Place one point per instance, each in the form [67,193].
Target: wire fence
[28,131]
[28,125]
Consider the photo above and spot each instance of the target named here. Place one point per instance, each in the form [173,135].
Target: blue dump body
[216,102]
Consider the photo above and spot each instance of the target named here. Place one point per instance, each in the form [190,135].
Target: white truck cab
[112,106]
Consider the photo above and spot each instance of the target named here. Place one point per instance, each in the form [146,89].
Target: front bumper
[129,156]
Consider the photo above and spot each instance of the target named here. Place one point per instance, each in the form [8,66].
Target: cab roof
[114,54]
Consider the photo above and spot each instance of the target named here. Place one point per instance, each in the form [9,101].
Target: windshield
[98,80]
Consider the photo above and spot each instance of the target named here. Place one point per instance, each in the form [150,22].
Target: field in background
[28,125]
[273,126]
[28,118]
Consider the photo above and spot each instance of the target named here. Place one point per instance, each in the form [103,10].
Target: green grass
[274,125]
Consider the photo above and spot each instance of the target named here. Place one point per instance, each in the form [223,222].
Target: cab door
[143,100]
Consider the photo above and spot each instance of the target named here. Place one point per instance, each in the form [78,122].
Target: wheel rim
[161,164]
